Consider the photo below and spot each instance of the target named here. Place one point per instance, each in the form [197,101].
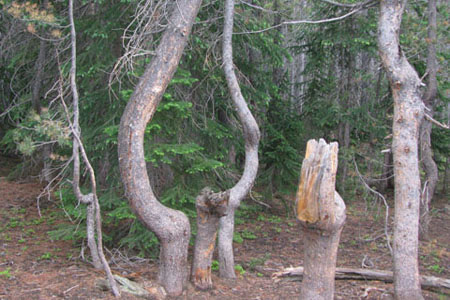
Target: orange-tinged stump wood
[321,211]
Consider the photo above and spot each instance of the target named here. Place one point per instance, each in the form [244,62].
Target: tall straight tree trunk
[251,135]
[170,226]
[429,166]
[408,114]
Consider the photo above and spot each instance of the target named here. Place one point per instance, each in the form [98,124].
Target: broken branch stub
[210,207]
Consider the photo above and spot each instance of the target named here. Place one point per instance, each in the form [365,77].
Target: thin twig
[259,7]
[430,118]
[259,202]
[69,289]
[350,5]
[296,22]
[386,221]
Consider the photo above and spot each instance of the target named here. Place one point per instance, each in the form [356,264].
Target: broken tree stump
[321,212]
[210,207]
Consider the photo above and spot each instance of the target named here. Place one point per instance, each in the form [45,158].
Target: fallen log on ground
[427,282]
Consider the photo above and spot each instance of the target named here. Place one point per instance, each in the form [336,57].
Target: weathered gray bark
[427,282]
[321,212]
[251,135]
[86,199]
[429,166]
[408,114]
[170,226]
[210,207]
[91,198]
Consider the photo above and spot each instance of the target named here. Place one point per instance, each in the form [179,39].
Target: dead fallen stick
[427,282]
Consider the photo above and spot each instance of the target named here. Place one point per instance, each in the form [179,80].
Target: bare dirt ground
[32,266]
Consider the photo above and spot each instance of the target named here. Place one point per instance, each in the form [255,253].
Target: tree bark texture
[251,136]
[170,226]
[408,114]
[429,166]
[210,207]
[90,234]
[321,212]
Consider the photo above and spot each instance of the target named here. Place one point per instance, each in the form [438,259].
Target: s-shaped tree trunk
[408,114]
[170,226]
[251,135]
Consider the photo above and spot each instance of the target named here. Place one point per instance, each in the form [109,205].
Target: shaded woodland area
[168,148]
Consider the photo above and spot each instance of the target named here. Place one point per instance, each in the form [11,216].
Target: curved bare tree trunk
[251,136]
[408,114]
[170,226]
[429,166]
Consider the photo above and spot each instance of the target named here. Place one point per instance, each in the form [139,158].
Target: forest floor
[32,266]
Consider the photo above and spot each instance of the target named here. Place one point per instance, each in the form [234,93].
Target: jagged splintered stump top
[317,203]
[321,211]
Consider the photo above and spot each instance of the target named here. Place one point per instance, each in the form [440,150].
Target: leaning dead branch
[91,198]
[354,9]
[435,122]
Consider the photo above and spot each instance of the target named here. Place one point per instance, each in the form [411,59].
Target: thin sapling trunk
[251,135]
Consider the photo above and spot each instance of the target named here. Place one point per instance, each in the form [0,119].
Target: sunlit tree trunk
[170,226]
[408,114]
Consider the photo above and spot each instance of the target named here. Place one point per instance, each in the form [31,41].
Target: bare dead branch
[78,145]
[351,5]
[386,219]
[435,122]
[259,7]
[354,10]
